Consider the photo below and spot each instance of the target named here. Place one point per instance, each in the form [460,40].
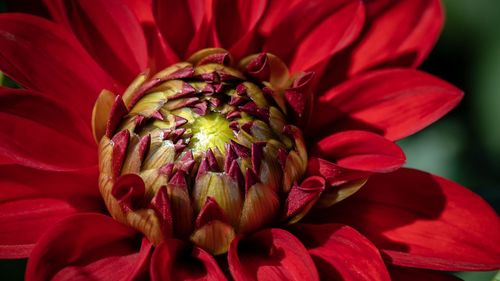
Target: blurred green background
[465,145]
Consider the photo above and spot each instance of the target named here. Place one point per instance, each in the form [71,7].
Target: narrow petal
[394,103]
[331,35]
[411,274]
[398,33]
[109,31]
[341,253]
[271,254]
[176,260]
[360,150]
[87,246]
[25,220]
[44,57]
[424,221]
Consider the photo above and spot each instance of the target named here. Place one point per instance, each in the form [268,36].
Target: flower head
[273,160]
[203,149]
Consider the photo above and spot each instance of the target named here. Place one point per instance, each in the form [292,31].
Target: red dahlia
[216,140]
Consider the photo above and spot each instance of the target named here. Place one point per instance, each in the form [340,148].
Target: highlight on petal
[64,71]
[176,260]
[294,23]
[331,35]
[341,253]
[394,103]
[88,246]
[398,33]
[360,150]
[420,220]
[270,254]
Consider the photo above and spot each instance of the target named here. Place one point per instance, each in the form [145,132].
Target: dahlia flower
[229,140]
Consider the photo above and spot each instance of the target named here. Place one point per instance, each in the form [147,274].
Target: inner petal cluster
[202,150]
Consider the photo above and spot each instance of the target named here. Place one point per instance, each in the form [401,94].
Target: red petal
[270,254]
[236,23]
[25,220]
[394,103]
[398,33]
[421,220]
[142,9]
[109,31]
[333,173]
[194,17]
[33,144]
[78,187]
[175,260]
[301,197]
[329,36]
[360,150]
[87,246]
[341,253]
[411,274]
[44,57]
[46,111]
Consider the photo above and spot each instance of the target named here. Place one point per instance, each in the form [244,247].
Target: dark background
[465,145]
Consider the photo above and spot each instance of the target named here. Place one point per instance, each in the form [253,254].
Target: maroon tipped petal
[128,190]
[120,144]
[209,212]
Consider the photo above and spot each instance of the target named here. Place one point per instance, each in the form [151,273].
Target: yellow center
[210,131]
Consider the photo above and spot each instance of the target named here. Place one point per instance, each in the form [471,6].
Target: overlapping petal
[243,15]
[293,30]
[360,150]
[271,254]
[46,111]
[44,57]
[397,33]
[421,220]
[88,247]
[25,220]
[341,253]
[109,31]
[394,103]
[176,260]
[196,19]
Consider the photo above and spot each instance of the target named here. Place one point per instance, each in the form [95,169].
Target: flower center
[201,150]
[209,132]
